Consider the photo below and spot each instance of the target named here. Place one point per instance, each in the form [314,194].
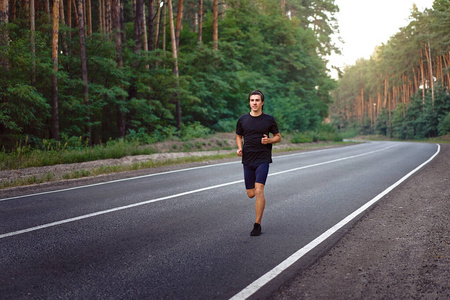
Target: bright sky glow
[365,24]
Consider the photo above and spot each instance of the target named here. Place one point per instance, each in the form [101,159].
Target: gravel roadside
[400,249]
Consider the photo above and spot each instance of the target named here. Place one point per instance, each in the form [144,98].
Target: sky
[365,24]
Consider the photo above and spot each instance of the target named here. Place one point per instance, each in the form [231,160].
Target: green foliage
[444,125]
[259,48]
[25,112]
[382,122]
[395,71]
[324,132]
[351,130]
[73,150]
[422,119]
[195,130]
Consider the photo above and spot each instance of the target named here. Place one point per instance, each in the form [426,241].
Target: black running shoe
[256,230]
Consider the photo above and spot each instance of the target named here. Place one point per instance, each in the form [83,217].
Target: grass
[102,170]
[35,158]
[25,157]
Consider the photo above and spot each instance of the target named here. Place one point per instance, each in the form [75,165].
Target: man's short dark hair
[257,92]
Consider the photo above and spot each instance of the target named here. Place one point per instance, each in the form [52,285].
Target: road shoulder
[399,250]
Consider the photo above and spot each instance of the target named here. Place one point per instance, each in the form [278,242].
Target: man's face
[256,103]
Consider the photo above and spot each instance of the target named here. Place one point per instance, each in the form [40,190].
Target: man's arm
[239,144]
[273,140]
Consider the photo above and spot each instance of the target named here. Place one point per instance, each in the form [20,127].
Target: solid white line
[312,151]
[169,197]
[117,180]
[115,209]
[145,176]
[263,280]
[331,161]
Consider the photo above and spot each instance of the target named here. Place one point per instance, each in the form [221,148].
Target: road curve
[185,233]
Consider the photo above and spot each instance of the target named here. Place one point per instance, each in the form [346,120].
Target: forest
[95,71]
[102,70]
[402,91]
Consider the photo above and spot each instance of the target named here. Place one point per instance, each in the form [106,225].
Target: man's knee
[259,189]
[251,193]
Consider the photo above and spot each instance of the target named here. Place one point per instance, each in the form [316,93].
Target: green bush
[299,138]
[324,132]
[55,152]
[194,130]
[444,125]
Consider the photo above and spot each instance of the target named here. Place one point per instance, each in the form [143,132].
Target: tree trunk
[144,33]
[89,17]
[118,42]
[179,18]
[69,13]
[101,16]
[4,35]
[138,25]
[151,12]
[84,72]
[117,29]
[164,23]
[13,10]
[447,65]
[47,10]
[86,30]
[422,76]
[173,38]
[158,25]
[175,57]
[75,11]
[415,80]
[387,102]
[26,9]
[33,41]
[362,110]
[108,26]
[63,21]
[215,25]
[430,67]
[122,24]
[144,30]
[200,22]
[55,113]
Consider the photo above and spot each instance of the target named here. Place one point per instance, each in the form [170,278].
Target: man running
[255,147]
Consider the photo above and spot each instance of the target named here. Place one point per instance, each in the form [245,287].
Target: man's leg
[260,202]
[257,178]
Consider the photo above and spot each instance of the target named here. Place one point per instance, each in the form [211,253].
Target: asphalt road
[185,233]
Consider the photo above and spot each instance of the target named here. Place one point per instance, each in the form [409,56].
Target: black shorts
[255,173]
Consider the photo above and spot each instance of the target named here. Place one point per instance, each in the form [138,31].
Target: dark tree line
[105,69]
[402,90]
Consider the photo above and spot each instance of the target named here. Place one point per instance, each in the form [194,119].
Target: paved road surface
[185,234]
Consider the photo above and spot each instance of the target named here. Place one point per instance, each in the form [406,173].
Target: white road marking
[260,282]
[5,235]
[148,175]
[330,161]
[52,224]
[117,180]
[263,280]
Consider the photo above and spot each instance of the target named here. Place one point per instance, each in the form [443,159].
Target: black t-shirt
[253,130]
